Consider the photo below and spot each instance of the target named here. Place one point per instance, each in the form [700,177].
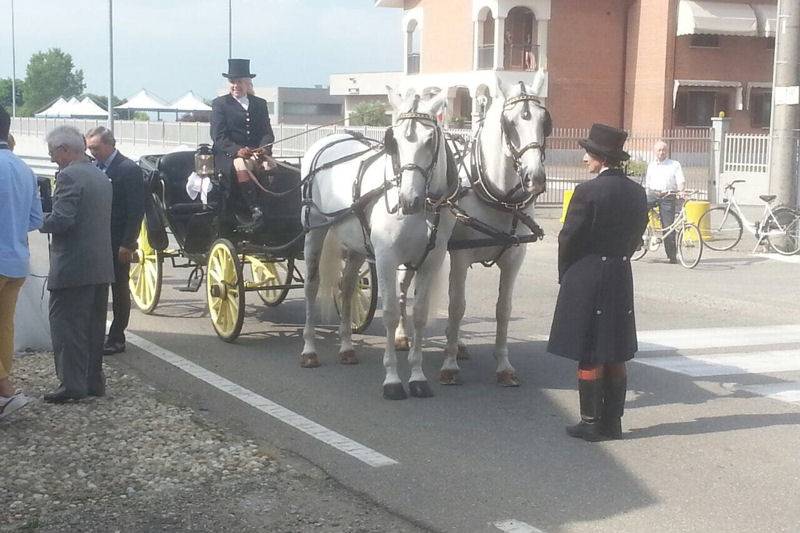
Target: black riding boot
[249,194]
[614,406]
[591,398]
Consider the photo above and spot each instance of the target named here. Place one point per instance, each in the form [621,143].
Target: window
[291,108]
[760,108]
[486,47]
[695,108]
[413,47]
[705,41]
[520,40]
[770,43]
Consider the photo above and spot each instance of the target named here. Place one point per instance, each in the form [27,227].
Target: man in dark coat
[594,320]
[81,267]
[127,211]
[242,134]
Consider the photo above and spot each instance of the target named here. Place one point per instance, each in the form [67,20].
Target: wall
[585,62]
[446,35]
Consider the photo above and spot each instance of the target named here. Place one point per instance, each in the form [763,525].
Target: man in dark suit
[127,211]
[242,133]
[80,267]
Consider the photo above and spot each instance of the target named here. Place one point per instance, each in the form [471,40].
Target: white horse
[495,216]
[384,201]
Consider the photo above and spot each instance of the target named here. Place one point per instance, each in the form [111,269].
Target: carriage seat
[175,169]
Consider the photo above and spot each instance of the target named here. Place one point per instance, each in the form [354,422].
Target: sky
[172,46]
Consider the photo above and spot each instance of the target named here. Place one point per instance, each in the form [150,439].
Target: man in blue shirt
[20,212]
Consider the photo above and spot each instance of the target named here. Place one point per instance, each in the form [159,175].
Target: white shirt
[665,175]
[244,101]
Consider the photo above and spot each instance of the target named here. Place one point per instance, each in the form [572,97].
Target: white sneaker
[13,404]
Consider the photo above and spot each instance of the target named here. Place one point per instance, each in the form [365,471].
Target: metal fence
[693,148]
[746,153]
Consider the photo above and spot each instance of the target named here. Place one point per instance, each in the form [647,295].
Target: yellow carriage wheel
[272,273]
[225,290]
[146,274]
[365,298]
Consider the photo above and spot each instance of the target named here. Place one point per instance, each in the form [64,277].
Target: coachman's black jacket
[594,321]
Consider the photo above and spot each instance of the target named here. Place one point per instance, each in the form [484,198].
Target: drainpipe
[627,8]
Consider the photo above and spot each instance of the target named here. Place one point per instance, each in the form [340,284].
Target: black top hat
[238,68]
[606,141]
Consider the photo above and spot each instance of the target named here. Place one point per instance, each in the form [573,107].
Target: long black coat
[594,321]
[233,127]
[127,206]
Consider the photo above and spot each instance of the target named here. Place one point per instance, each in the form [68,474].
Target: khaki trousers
[9,290]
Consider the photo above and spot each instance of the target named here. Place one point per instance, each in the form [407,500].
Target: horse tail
[330,274]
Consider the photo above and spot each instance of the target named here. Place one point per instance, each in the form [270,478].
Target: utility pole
[13,66]
[785,121]
[110,65]
[230,30]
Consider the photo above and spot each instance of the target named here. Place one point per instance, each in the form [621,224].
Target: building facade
[646,65]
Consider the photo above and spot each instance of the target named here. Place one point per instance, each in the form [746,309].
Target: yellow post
[565,205]
[695,209]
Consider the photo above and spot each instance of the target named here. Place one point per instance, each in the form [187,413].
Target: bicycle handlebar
[731,186]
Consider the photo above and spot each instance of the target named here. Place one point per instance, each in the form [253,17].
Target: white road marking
[727,364]
[299,422]
[515,526]
[785,392]
[783,258]
[700,338]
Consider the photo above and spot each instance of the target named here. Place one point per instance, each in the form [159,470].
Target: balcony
[485,57]
[520,57]
[413,63]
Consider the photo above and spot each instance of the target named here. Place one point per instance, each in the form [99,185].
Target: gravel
[132,461]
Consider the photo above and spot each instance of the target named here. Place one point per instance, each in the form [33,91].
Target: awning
[722,84]
[756,85]
[716,18]
[767,16]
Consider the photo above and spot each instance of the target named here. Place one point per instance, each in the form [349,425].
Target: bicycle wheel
[690,245]
[784,237]
[724,228]
[647,238]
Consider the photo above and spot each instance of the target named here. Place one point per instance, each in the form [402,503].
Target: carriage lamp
[204,161]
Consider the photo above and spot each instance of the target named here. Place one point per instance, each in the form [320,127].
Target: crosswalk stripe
[785,391]
[700,338]
[728,364]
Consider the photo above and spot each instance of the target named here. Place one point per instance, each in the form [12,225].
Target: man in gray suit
[80,267]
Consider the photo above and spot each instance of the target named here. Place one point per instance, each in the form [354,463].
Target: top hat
[606,141]
[238,68]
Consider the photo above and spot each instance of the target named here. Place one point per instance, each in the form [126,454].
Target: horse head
[525,125]
[417,145]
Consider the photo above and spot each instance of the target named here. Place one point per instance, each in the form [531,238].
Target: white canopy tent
[144,100]
[716,18]
[72,108]
[190,102]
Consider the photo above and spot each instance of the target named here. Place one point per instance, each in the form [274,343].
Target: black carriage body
[195,225]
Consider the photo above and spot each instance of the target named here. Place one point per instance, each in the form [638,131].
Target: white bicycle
[778,228]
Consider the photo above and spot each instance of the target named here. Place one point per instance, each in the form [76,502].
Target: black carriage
[213,236]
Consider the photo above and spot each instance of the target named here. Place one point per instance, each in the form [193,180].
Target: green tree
[102,100]
[5,94]
[49,75]
[370,114]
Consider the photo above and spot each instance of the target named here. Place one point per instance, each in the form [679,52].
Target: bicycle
[688,239]
[779,227]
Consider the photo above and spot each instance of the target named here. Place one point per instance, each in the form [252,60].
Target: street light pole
[785,121]
[230,30]
[13,66]
[110,65]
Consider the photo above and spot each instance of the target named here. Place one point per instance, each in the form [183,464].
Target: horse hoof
[420,389]
[463,353]
[402,344]
[507,378]
[394,391]
[449,377]
[348,358]
[309,360]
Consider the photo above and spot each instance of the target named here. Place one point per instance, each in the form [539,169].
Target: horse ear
[437,102]
[394,98]
[537,83]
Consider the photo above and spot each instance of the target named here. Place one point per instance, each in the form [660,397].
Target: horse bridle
[416,116]
[517,153]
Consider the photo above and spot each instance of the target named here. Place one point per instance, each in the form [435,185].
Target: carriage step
[190,287]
